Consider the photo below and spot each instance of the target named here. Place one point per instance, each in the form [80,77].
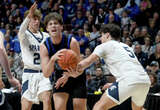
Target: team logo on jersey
[112,87]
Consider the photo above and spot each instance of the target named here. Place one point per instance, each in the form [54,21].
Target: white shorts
[121,91]
[33,84]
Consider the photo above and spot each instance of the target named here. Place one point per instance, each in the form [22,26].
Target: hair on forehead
[113,29]
[53,16]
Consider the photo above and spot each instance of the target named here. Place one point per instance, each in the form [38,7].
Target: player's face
[54,28]
[34,23]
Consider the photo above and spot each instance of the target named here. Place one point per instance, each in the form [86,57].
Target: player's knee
[60,107]
[79,105]
[46,99]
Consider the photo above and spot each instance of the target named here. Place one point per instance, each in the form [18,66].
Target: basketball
[69,59]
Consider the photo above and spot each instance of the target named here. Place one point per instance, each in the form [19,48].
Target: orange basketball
[69,59]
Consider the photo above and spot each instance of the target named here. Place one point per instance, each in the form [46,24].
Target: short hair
[113,29]
[37,13]
[53,16]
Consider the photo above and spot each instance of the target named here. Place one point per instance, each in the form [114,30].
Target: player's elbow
[46,74]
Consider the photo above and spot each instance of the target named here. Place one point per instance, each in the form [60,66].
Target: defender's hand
[61,81]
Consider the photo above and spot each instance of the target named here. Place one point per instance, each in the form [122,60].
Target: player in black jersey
[50,51]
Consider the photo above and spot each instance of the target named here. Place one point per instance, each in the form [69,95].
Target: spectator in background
[100,80]
[94,34]
[142,57]
[152,29]
[78,21]
[112,17]
[125,19]
[82,39]
[155,56]
[154,88]
[86,30]
[119,9]
[136,36]
[70,9]
[153,67]
[100,16]
[128,41]
[133,10]
[147,47]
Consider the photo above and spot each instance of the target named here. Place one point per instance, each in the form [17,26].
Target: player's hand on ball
[58,55]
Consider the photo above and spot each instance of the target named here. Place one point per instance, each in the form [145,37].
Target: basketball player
[50,52]
[5,65]
[35,86]
[131,79]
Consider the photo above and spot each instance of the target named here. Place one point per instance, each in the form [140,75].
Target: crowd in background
[140,29]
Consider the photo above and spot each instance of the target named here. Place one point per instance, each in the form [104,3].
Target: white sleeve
[99,50]
[23,28]
[104,49]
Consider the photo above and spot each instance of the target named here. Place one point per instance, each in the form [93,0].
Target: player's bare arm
[86,62]
[5,64]
[75,47]
[26,21]
[46,63]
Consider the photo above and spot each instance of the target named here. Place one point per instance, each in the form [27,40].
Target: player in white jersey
[35,87]
[131,79]
[5,65]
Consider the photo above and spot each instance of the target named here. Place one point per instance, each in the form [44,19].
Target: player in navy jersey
[50,52]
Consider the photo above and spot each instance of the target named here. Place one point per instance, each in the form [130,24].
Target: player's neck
[57,39]
[33,30]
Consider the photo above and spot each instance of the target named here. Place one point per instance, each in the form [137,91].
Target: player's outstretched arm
[82,65]
[5,64]
[26,21]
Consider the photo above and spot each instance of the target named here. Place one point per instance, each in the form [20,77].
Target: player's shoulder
[45,34]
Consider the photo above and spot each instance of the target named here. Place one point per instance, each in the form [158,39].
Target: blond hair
[37,13]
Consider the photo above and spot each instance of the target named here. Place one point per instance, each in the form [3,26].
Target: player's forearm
[88,61]
[23,27]
[49,68]
[5,64]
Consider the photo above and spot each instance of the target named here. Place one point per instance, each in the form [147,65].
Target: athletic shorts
[75,87]
[33,84]
[121,91]
[2,98]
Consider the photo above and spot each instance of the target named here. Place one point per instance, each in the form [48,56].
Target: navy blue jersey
[53,48]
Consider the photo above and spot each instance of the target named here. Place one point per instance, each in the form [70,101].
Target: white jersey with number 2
[30,46]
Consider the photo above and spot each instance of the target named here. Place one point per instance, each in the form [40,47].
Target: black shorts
[75,87]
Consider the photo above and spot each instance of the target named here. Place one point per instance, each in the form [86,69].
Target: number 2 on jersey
[36,60]
[130,53]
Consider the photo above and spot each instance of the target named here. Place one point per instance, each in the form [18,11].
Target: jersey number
[130,53]
[36,60]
